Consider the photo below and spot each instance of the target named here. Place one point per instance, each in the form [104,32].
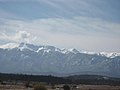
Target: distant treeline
[76,79]
[94,80]
[34,78]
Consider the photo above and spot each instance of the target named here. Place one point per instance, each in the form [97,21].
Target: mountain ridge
[24,45]
[33,59]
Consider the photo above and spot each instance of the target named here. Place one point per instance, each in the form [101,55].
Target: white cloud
[19,37]
[80,32]
[22,36]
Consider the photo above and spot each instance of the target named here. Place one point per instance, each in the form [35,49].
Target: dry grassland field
[58,87]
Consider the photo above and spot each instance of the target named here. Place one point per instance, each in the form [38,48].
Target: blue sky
[35,9]
[92,25]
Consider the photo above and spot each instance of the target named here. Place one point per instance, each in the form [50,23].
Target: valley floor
[79,87]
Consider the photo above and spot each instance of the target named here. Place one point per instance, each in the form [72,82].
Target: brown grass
[80,87]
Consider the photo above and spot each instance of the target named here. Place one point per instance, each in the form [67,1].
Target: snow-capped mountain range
[33,59]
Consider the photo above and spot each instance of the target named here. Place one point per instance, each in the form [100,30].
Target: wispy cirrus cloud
[90,24]
[14,0]
[81,32]
[35,9]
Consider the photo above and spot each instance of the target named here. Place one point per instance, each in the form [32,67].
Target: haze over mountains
[45,60]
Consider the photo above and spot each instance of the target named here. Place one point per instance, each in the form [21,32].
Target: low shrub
[39,87]
[66,87]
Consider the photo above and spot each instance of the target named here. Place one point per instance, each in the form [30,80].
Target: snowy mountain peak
[109,55]
[48,48]
[86,52]
[23,46]
[67,51]
[73,50]
[39,49]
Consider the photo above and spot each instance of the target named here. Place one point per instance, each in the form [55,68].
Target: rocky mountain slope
[45,60]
